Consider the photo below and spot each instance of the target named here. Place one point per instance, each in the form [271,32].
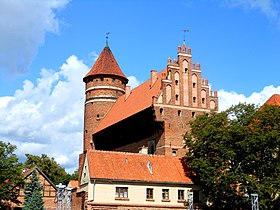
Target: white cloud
[47,117]
[270,8]
[227,99]
[23,26]
[133,82]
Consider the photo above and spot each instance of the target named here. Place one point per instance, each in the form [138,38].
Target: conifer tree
[32,193]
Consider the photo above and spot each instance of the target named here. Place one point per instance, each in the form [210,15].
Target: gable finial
[107,36]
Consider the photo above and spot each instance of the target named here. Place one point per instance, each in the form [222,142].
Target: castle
[133,139]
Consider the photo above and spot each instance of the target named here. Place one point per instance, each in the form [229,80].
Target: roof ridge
[131,153]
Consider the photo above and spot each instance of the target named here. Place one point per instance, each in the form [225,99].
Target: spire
[106,64]
[107,36]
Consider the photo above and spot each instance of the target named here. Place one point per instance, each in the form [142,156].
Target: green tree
[32,193]
[10,174]
[235,153]
[49,166]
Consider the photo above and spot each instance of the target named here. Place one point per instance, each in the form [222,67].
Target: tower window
[186,70]
[102,79]
[194,99]
[177,97]
[194,84]
[176,82]
[161,111]
[193,114]
[179,112]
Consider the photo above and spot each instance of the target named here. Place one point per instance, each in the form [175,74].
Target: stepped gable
[273,100]
[136,167]
[139,99]
[106,64]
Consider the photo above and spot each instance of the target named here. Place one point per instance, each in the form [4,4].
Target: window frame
[165,195]
[121,193]
[181,195]
[150,194]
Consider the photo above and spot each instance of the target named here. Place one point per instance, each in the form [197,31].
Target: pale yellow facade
[105,193]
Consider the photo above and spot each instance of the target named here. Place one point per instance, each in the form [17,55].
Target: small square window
[121,192]
[165,194]
[181,195]
[149,193]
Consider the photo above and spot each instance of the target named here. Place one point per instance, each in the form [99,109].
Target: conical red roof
[273,100]
[106,64]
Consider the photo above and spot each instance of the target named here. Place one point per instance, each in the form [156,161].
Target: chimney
[153,77]
[127,91]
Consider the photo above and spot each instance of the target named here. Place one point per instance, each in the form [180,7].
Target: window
[177,97]
[193,114]
[186,70]
[194,99]
[165,194]
[181,195]
[179,112]
[121,193]
[193,84]
[176,82]
[203,100]
[174,152]
[149,193]
[161,111]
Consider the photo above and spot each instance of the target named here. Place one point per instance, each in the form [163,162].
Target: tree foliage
[32,193]
[49,166]
[10,174]
[235,153]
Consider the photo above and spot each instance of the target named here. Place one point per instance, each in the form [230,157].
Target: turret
[104,84]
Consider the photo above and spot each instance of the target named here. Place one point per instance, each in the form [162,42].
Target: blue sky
[46,47]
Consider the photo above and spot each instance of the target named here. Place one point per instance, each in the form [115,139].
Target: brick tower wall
[101,94]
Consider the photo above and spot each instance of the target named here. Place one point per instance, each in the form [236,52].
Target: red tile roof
[273,100]
[134,167]
[73,183]
[139,99]
[106,64]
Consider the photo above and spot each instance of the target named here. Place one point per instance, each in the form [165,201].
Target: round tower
[104,84]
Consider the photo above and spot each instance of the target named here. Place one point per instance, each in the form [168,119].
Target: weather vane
[107,36]
[185,31]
